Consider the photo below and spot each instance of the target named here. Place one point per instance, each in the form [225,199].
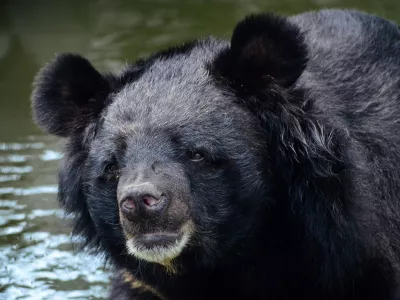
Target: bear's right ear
[68,94]
[265,49]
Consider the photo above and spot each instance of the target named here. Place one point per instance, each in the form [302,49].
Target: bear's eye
[196,156]
[111,172]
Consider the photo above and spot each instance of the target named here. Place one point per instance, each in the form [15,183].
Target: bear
[266,166]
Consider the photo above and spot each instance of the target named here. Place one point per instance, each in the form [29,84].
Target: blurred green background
[37,260]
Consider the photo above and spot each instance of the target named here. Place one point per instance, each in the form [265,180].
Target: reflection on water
[37,260]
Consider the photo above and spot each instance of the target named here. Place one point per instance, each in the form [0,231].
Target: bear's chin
[161,247]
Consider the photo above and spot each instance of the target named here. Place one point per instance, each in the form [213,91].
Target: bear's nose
[141,200]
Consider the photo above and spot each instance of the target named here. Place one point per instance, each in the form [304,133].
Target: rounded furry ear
[264,48]
[68,94]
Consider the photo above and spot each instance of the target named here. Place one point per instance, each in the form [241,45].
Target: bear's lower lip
[160,247]
[160,239]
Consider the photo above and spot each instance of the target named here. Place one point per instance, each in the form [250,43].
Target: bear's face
[169,158]
[178,169]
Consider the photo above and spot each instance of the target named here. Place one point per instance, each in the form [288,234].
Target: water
[37,258]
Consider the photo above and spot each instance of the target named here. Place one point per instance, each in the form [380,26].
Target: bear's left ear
[68,94]
[265,49]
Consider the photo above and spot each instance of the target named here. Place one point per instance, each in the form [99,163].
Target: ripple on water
[20,146]
[50,189]
[11,217]
[9,230]
[12,177]
[14,158]
[13,169]
[48,267]
[50,155]
[37,259]
[10,204]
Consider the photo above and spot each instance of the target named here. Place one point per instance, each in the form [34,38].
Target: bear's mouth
[160,247]
[159,239]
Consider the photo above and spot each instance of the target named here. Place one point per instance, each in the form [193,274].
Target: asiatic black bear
[265,167]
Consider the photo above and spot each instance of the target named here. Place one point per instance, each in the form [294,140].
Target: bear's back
[353,74]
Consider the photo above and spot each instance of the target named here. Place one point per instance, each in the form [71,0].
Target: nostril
[128,204]
[141,200]
[150,201]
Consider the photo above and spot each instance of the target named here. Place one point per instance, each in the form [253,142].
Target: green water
[37,260]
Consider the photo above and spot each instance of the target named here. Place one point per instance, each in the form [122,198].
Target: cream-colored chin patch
[162,255]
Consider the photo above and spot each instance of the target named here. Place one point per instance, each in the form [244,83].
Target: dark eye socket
[196,156]
[111,171]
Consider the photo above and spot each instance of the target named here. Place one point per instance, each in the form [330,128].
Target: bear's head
[169,161]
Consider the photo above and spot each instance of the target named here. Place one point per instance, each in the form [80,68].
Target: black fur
[71,82]
[297,119]
[258,57]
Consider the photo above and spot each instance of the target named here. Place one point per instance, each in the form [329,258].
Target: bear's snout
[152,201]
[141,201]
[154,211]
